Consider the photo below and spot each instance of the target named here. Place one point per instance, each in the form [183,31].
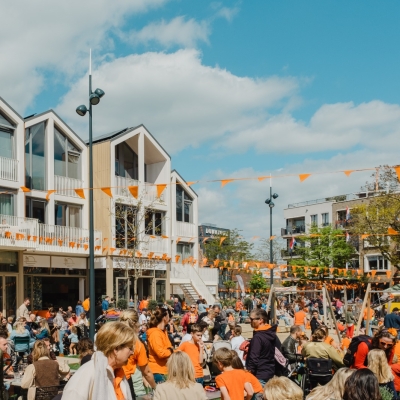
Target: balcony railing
[65,186]
[66,239]
[18,232]
[150,194]
[121,186]
[209,275]
[185,229]
[156,244]
[289,253]
[8,169]
[342,223]
[292,230]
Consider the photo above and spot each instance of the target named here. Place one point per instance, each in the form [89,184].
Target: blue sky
[231,89]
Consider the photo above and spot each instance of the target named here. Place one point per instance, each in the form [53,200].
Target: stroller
[209,368]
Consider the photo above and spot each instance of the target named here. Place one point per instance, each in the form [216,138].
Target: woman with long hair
[378,364]
[386,339]
[137,359]
[43,371]
[181,383]
[21,332]
[85,349]
[160,348]
[333,389]
[44,330]
[362,385]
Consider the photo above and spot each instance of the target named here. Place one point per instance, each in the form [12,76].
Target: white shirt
[186,338]
[142,319]
[236,341]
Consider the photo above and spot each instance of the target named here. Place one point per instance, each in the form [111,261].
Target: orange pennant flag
[231,263]
[225,181]
[364,236]
[348,172]
[112,249]
[164,236]
[191,183]
[216,262]
[204,261]
[160,189]
[49,193]
[303,177]
[25,189]
[331,270]
[272,237]
[177,257]
[388,274]
[225,263]
[205,239]
[134,190]
[221,240]
[392,231]
[80,193]
[261,178]
[107,191]
[138,253]
[178,240]
[373,273]
[150,255]
[359,271]
[397,169]
[85,246]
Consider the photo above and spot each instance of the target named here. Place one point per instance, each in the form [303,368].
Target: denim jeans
[60,342]
[160,378]
[262,382]
[200,380]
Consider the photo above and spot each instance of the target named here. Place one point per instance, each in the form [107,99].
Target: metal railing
[66,239]
[18,232]
[8,169]
[209,274]
[185,229]
[155,244]
[121,186]
[293,230]
[65,186]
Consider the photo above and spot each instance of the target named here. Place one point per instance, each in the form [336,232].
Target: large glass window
[378,263]
[154,223]
[66,157]
[325,219]
[184,250]
[126,162]
[67,215]
[36,209]
[35,162]
[6,204]
[314,219]
[183,205]
[6,138]
[126,229]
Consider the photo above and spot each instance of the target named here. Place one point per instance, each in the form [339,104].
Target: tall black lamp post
[94,99]
[271,205]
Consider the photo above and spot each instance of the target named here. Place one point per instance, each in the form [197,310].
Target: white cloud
[178,31]
[180,100]
[227,13]
[55,36]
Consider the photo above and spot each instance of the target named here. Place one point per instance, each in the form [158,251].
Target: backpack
[281,364]
[349,358]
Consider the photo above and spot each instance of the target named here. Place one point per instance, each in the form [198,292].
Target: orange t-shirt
[234,381]
[328,340]
[345,343]
[254,382]
[193,351]
[159,350]
[139,357]
[371,314]
[299,317]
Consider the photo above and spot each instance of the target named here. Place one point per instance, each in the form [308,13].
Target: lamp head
[94,99]
[267,201]
[81,110]
[271,204]
[275,196]
[99,92]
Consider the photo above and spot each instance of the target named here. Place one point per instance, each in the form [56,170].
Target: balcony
[18,232]
[210,276]
[287,253]
[343,224]
[185,229]
[150,194]
[66,239]
[293,230]
[65,186]
[121,186]
[8,169]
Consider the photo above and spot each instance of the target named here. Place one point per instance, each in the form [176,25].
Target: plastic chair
[22,342]
[48,392]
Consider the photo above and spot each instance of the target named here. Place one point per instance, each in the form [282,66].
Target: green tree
[229,285]
[258,284]
[379,215]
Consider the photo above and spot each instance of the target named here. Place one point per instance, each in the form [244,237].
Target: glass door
[8,294]
[122,286]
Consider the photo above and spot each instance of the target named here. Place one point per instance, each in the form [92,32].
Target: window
[36,209]
[126,228]
[66,157]
[6,204]
[35,165]
[183,205]
[184,250]
[126,162]
[6,138]
[154,223]
[325,219]
[314,219]
[67,215]
[377,263]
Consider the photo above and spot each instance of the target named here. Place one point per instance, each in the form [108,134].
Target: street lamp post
[271,205]
[94,99]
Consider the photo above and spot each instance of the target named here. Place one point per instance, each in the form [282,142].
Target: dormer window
[66,157]
[6,138]
[183,205]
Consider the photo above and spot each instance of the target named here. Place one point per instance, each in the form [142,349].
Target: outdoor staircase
[190,293]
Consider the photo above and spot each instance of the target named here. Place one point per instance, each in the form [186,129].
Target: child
[233,383]
[73,337]
[194,348]
[236,340]
[231,318]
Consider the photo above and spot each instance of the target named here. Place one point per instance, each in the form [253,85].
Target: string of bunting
[160,187]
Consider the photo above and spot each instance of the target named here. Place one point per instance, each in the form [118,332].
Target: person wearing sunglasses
[191,317]
[386,339]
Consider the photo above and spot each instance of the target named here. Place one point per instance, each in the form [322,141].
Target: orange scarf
[119,376]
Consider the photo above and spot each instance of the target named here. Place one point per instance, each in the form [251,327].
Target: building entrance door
[8,294]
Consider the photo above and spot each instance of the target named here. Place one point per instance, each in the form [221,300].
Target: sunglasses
[385,344]
[254,319]
[192,308]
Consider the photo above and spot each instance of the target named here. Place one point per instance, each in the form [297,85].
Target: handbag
[319,366]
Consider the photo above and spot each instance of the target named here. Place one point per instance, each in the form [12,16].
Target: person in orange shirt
[160,347]
[300,319]
[233,383]
[86,304]
[239,305]
[194,348]
[368,315]
[139,356]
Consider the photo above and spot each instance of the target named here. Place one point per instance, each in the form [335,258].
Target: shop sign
[100,263]
[33,260]
[68,262]
[122,263]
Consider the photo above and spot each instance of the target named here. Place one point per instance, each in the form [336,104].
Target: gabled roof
[10,107]
[180,176]
[117,134]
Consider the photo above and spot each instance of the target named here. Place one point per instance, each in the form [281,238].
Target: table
[213,395]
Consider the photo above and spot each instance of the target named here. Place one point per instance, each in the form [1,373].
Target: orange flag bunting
[80,193]
[49,193]
[359,271]
[392,231]
[348,172]
[25,189]
[205,239]
[244,264]
[303,177]
[107,191]
[373,273]
[205,260]
[225,181]
[191,183]
[134,190]
[164,236]
[272,237]
[388,274]
[160,189]
[216,262]
[231,263]
[397,169]
[221,240]
[331,270]
[364,236]
[261,178]
[178,240]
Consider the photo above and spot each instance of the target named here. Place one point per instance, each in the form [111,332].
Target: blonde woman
[21,332]
[43,371]
[377,363]
[138,358]
[282,388]
[333,389]
[181,384]
[44,330]
[209,320]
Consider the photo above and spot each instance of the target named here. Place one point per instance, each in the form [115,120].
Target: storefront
[53,280]
[8,282]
